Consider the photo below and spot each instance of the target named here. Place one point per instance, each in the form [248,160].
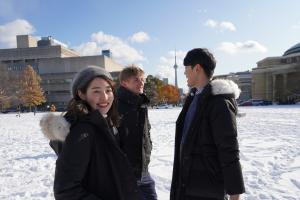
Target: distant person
[19,111]
[34,110]
[135,137]
[90,163]
[52,108]
[206,161]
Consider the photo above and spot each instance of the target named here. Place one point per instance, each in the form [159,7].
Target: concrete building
[166,81]
[55,63]
[243,80]
[278,78]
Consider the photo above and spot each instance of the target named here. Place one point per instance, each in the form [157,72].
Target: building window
[17,61]
[6,61]
[68,80]
[61,92]
[283,61]
[57,81]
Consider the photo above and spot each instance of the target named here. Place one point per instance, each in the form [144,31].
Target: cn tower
[175,67]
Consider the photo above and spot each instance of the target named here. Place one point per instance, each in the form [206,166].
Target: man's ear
[81,95]
[123,83]
[198,68]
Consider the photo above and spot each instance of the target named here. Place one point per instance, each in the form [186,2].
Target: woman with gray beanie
[90,163]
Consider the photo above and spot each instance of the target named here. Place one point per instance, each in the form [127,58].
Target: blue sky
[239,33]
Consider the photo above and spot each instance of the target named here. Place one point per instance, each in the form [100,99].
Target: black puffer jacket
[134,129]
[91,166]
[208,163]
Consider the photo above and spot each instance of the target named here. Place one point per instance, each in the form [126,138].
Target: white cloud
[296,26]
[202,11]
[139,37]
[9,31]
[211,23]
[165,71]
[222,26]
[121,51]
[60,43]
[249,46]
[227,26]
[88,48]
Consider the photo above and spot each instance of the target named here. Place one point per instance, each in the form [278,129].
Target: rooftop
[294,49]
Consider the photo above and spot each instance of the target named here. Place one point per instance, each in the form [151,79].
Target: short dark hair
[203,57]
[130,71]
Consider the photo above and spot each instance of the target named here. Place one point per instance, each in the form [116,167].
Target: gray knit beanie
[86,75]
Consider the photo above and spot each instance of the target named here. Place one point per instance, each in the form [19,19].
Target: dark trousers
[147,187]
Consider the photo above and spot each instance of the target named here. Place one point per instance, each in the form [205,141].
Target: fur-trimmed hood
[54,127]
[224,86]
[57,127]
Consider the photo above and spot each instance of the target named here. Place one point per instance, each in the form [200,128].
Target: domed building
[278,78]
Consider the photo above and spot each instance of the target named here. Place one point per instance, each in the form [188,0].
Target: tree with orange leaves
[168,94]
[31,93]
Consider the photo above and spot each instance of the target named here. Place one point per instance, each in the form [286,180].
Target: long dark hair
[77,108]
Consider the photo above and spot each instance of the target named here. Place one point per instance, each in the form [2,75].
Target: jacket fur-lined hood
[223,86]
[54,127]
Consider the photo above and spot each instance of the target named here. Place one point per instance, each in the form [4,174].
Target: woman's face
[99,95]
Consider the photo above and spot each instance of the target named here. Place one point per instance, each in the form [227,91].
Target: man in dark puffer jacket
[206,162]
[134,128]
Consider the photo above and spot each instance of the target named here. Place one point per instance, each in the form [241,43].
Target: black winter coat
[207,165]
[91,166]
[134,129]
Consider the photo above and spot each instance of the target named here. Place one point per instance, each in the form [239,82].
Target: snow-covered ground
[269,142]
